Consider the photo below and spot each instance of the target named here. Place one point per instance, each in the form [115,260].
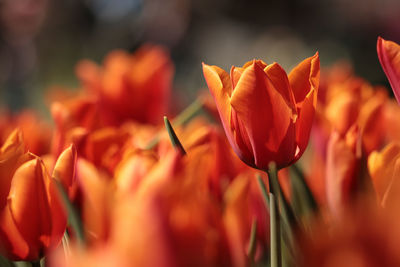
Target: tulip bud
[267,114]
[32,218]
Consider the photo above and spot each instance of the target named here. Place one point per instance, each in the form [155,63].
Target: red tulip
[266,114]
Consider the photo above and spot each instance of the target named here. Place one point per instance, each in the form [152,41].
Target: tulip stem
[188,113]
[289,219]
[275,245]
[287,212]
[264,191]
[275,229]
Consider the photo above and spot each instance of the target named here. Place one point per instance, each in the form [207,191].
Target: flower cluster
[297,169]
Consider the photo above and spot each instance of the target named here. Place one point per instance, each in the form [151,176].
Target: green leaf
[305,200]
[172,136]
[73,216]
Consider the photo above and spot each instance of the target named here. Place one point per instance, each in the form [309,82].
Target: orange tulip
[32,218]
[135,87]
[266,114]
[389,57]
[37,132]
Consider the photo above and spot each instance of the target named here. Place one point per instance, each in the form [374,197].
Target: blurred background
[42,40]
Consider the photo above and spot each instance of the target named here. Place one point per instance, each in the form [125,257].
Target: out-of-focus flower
[389,57]
[364,236]
[347,102]
[384,168]
[74,118]
[166,211]
[342,168]
[96,197]
[36,132]
[391,121]
[351,102]
[130,87]
[244,204]
[267,114]
[32,216]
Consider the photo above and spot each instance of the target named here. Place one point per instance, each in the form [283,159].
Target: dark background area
[42,40]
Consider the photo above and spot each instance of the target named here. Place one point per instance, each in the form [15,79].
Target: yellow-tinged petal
[64,169]
[381,166]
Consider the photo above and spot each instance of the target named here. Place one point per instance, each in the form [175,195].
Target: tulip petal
[12,155]
[262,111]
[389,57]
[220,86]
[381,167]
[235,75]
[340,172]
[391,197]
[304,78]
[29,205]
[64,169]
[13,245]
[279,79]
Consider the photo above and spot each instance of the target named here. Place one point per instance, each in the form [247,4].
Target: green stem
[287,212]
[289,221]
[275,244]
[264,191]
[188,113]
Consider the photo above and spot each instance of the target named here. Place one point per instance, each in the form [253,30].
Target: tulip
[266,114]
[389,57]
[36,132]
[32,218]
[130,87]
